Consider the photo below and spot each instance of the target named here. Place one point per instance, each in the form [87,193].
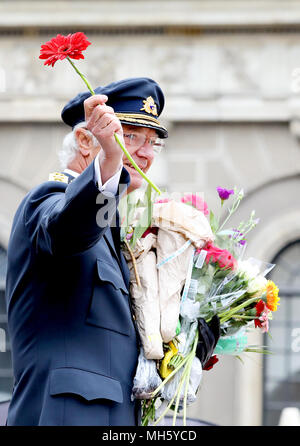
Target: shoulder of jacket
[58,176]
[46,189]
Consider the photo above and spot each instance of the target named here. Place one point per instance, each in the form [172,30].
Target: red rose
[163,200]
[211,362]
[226,260]
[196,201]
[150,230]
[220,256]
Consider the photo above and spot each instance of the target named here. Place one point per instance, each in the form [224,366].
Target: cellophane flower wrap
[206,261]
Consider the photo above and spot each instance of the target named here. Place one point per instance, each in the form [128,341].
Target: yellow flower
[164,369]
[272,295]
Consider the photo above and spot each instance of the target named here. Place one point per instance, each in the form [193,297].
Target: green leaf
[259,350]
[131,207]
[140,228]
[145,218]
[227,232]
[149,200]
[214,222]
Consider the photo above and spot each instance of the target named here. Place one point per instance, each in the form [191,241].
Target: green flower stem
[226,311]
[231,211]
[184,377]
[185,399]
[246,228]
[135,165]
[175,361]
[148,413]
[188,378]
[116,136]
[188,360]
[166,410]
[227,315]
[177,393]
[251,226]
[82,76]
[237,316]
[257,350]
[232,310]
[225,221]
[158,389]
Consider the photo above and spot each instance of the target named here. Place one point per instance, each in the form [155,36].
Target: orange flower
[272,295]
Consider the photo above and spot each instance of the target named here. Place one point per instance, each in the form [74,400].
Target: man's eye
[129,136]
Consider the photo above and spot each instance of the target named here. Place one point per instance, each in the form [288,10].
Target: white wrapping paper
[157,302]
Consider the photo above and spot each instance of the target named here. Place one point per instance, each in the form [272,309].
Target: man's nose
[146,151]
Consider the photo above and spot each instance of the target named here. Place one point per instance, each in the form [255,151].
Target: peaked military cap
[136,101]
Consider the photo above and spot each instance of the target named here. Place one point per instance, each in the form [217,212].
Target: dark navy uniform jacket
[74,342]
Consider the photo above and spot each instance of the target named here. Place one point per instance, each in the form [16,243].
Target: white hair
[70,147]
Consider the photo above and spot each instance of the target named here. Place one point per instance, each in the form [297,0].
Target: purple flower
[224,194]
[239,234]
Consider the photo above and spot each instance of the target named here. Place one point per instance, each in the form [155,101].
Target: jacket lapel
[110,241]
[125,270]
[120,258]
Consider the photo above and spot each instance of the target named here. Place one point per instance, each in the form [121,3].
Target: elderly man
[74,342]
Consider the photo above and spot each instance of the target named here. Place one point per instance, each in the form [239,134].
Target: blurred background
[230,71]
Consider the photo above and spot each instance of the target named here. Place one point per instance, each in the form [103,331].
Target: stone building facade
[230,71]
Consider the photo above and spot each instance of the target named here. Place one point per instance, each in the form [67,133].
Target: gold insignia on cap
[58,176]
[150,106]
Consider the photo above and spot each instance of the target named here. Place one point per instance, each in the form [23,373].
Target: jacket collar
[71,173]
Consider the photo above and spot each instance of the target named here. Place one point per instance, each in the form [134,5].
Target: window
[6,380]
[282,369]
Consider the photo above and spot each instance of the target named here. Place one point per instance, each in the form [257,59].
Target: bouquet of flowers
[181,273]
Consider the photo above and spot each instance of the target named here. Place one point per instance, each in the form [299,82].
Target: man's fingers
[99,113]
[100,116]
[92,102]
[112,127]
[103,123]
[99,121]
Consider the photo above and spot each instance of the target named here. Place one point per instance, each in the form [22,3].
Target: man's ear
[84,141]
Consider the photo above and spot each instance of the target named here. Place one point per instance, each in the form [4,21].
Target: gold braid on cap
[140,119]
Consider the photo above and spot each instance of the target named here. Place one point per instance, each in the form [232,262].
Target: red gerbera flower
[61,47]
